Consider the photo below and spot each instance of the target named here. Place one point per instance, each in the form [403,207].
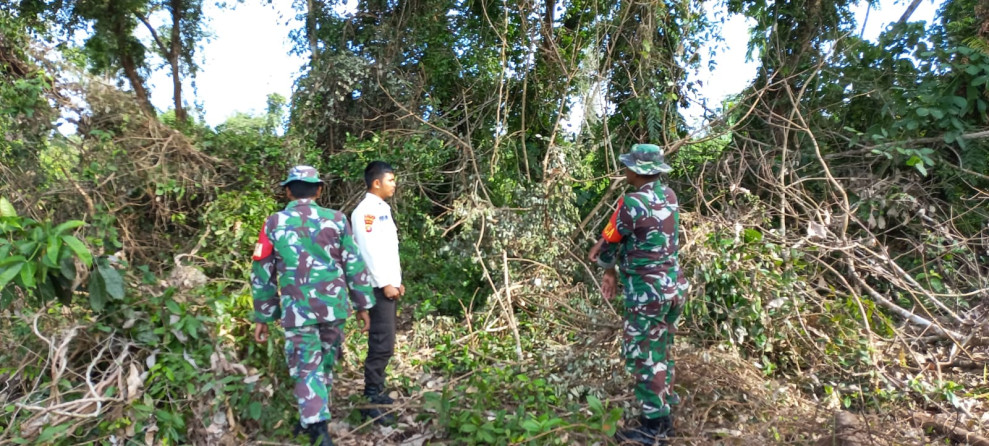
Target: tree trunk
[137,83]
[910,9]
[130,66]
[312,14]
[173,58]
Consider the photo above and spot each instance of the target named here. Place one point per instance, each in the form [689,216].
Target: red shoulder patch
[610,232]
[263,248]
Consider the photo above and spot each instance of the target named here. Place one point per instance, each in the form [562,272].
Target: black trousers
[380,340]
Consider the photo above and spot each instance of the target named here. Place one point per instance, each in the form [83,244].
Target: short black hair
[302,189]
[376,170]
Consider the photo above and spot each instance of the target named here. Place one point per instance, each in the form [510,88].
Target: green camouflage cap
[645,159]
[302,173]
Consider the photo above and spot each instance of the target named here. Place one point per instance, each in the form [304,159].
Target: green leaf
[27,248]
[752,235]
[27,274]
[97,293]
[11,260]
[486,437]
[6,208]
[468,428]
[920,168]
[111,279]
[531,426]
[173,307]
[80,249]
[68,268]
[254,410]
[923,111]
[54,244]
[959,102]
[71,224]
[49,433]
[595,404]
[8,274]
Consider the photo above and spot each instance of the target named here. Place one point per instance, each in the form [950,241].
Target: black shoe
[375,395]
[653,432]
[318,435]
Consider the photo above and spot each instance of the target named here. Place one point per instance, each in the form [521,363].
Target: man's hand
[364,320]
[595,251]
[401,290]
[609,283]
[391,292]
[260,332]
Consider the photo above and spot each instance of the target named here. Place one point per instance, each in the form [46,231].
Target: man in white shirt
[377,238]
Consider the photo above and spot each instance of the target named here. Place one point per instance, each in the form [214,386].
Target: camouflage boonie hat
[645,159]
[302,173]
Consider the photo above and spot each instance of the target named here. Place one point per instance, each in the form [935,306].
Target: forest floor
[726,400]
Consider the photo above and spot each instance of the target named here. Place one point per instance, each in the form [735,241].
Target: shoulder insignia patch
[263,248]
[368,221]
[610,232]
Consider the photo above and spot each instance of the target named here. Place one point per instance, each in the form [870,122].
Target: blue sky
[249,57]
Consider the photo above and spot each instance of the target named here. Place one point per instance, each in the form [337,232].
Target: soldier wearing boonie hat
[308,273]
[642,239]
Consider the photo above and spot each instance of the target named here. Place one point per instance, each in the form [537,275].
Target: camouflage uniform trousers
[647,345]
[311,352]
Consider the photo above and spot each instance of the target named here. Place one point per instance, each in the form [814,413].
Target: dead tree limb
[950,427]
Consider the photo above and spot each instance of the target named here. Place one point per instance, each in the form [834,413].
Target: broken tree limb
[905,314]
[950,427]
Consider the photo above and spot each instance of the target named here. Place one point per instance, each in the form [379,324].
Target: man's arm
[264,281]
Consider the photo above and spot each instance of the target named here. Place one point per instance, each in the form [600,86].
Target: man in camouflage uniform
[308,272]
[642,238]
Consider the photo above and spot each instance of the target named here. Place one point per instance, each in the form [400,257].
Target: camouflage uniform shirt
[319,269]
[647,223]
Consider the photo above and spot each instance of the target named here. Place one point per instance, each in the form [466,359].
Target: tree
[185,31]
[111,44]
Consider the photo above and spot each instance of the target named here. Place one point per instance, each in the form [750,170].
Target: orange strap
[610,232]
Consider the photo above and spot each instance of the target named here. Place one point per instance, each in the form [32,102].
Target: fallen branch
[905,314]
[951,428]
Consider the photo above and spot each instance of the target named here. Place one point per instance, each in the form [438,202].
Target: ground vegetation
[835,214]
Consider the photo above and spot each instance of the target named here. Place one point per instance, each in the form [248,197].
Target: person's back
[312,264]
[654,243]
[642,239]
[308,273]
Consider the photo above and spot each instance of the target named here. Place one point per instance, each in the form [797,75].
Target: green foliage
[505,406]
[748,288]
[38,260]
[261,154]
[234,221]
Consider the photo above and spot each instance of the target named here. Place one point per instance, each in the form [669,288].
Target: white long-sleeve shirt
[377,237]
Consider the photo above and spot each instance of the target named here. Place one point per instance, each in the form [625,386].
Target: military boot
[319,435]
[653,432]
[377,396]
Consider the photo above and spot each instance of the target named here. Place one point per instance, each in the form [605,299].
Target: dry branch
[946,426]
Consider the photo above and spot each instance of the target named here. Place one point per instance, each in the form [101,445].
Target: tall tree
[111,45]
[176,42]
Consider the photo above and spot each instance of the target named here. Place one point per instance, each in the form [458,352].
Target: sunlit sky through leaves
[250,57]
